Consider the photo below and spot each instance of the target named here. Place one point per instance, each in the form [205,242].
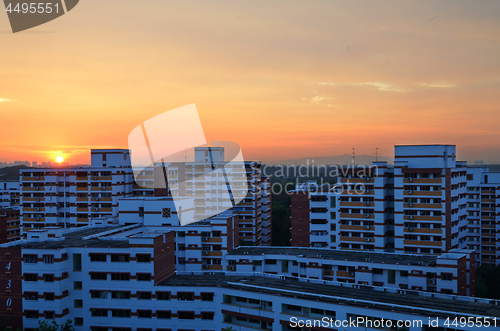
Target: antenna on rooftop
[353,158]
[376,154]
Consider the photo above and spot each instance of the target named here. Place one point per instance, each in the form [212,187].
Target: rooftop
[75,239]
[388,258]
[426,304]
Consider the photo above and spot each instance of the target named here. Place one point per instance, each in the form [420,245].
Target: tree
[45,326]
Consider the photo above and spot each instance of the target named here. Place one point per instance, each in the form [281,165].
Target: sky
[284,79]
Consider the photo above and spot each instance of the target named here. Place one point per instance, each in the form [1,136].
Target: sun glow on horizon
[59,159]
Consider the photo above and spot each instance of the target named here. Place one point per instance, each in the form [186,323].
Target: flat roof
[75,239]
[333,254]
[365,296]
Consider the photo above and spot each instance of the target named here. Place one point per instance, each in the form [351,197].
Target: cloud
[378,85]
[7,100]
[438,85]
[319,99]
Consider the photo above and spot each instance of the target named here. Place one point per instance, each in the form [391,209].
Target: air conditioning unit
[367,239]
[104,188]
[37,199]
[232,267]
[205,266]
[37,209]
[410,191]
[96,209]
[367,203]
[37,218]
[351,273]
[37,187]
[410,204]
[204,238]
[37,177]
[367,227]
[410,179]
[205,252]
[410,217]
[367,190]
[432,281]
[95,178]
[367,215]
[367,179]
[410,229]
[96,199]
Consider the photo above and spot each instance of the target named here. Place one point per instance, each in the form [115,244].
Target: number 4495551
[34,8]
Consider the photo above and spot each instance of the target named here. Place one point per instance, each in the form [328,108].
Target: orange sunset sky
[284,79]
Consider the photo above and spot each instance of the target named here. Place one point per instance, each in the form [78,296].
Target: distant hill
[345,159]
[11,173]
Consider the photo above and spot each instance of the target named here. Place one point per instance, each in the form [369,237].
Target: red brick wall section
[233,233]
[164,258]
[448,209]
[300,219]
[11,293]
[3,229]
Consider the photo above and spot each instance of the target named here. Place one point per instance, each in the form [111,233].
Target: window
[120,276]
[120,313]
[378,271]
[144,313]
[48,259]
[99,275]
[78,321]
[143,257]
[30,259]
[207,297]
[403,273]
[207,316]
[162,295]
[78,303]
[77,285]
[163,314]
[99,294]
[143,295]
[49,315]
[185,296]
[144,277]
[77,262]
[99,312]
[186,315]
[30,296]
[30,277]
[48,278]
[120,258]
[98,257]
[31,313]
[166,212]
[49,296]
[120,295]
[446,276]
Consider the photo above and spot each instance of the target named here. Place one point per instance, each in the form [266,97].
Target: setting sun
[59,159]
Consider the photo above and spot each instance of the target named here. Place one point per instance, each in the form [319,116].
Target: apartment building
[215,184]
[72,197]
[430,199]
[10,225]
[419,205]
[9,194]
[449,273]
[483,201]
[122,278]
[314,215]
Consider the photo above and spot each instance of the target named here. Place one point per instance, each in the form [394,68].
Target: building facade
[72,197]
